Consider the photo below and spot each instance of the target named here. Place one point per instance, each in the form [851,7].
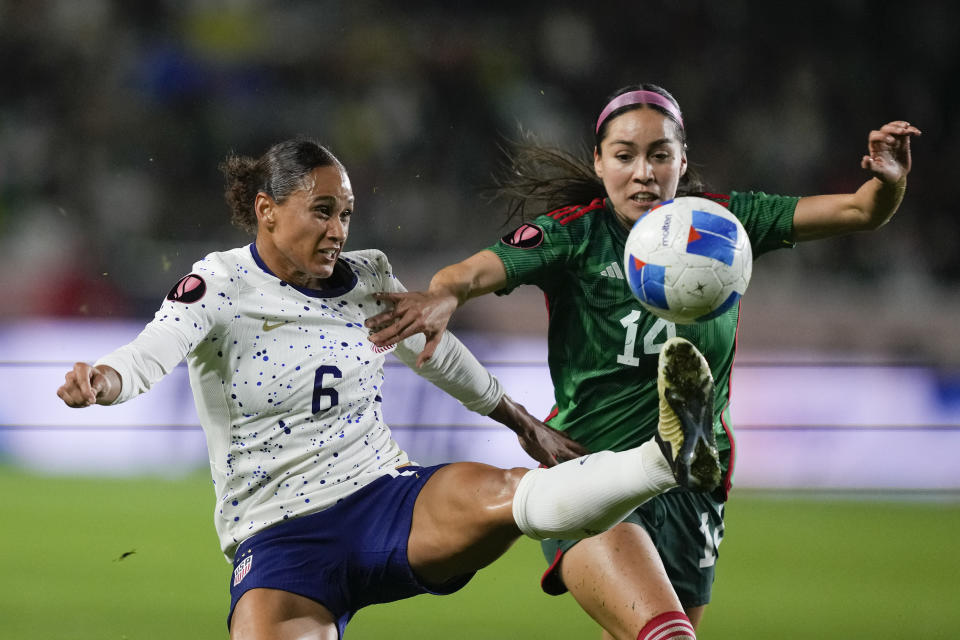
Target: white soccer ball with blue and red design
[688,260]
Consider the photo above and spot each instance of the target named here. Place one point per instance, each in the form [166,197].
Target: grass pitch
[115,559]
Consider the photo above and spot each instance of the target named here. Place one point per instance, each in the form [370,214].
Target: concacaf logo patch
[189,289]
[526,236]
[242,569]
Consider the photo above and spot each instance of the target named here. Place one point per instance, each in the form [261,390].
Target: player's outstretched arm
[541,442]
[874,203]
[85,385]
[429,312]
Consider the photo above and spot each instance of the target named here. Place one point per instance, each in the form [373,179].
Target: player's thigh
[462,520]
[619,579]
[273,614]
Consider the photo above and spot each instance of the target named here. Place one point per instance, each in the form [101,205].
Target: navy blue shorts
[345,557]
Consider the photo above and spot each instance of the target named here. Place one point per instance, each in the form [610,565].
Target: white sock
[588,495]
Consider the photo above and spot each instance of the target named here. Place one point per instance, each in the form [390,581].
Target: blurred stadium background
[114,117]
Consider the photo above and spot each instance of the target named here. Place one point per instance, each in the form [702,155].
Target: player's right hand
[411,313]
[83,386]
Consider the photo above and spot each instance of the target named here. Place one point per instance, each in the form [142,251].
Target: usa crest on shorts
[242,570]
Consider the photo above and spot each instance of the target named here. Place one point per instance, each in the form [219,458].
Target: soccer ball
[688,260]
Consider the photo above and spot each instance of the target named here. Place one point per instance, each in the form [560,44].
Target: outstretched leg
[468,514]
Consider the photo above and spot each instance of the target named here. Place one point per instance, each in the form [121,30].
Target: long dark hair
[534,178]
[278,173]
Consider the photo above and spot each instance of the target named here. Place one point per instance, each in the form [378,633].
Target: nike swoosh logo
[271,327]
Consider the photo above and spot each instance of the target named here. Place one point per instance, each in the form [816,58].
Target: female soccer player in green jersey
[644,575]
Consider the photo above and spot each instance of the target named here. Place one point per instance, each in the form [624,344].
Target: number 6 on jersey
[320,392]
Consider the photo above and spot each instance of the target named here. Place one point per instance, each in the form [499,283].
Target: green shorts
[686,529]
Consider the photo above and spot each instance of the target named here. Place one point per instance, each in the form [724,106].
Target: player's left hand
[888,151]
[548,446]
[542,442]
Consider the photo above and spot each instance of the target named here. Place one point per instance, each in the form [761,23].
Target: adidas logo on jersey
[613,270]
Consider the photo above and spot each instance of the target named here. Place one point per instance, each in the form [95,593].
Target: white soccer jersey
[286,383]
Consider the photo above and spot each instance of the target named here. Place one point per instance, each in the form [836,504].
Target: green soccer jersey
[603,346]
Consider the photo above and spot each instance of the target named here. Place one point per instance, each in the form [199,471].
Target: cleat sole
[688,389]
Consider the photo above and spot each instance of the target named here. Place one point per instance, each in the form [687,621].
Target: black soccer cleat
[685,434]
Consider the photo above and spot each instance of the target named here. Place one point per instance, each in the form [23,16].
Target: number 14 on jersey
[661,331]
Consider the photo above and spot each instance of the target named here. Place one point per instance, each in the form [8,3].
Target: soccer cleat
[685,434]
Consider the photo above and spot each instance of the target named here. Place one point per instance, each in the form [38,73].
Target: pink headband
[639,97]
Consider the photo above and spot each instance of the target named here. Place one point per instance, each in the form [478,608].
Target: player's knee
[499,485]
[479,487]
[512,477]
[496,494]
[476,497]
[672,625]
[499,499]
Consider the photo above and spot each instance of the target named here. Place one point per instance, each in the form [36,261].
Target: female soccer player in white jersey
[319,509]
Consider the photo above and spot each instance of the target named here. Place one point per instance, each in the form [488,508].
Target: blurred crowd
[115,115]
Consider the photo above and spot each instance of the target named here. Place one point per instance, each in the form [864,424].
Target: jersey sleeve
[389,283]
[534,252]
[452,368]
[194,307]
[768,219]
